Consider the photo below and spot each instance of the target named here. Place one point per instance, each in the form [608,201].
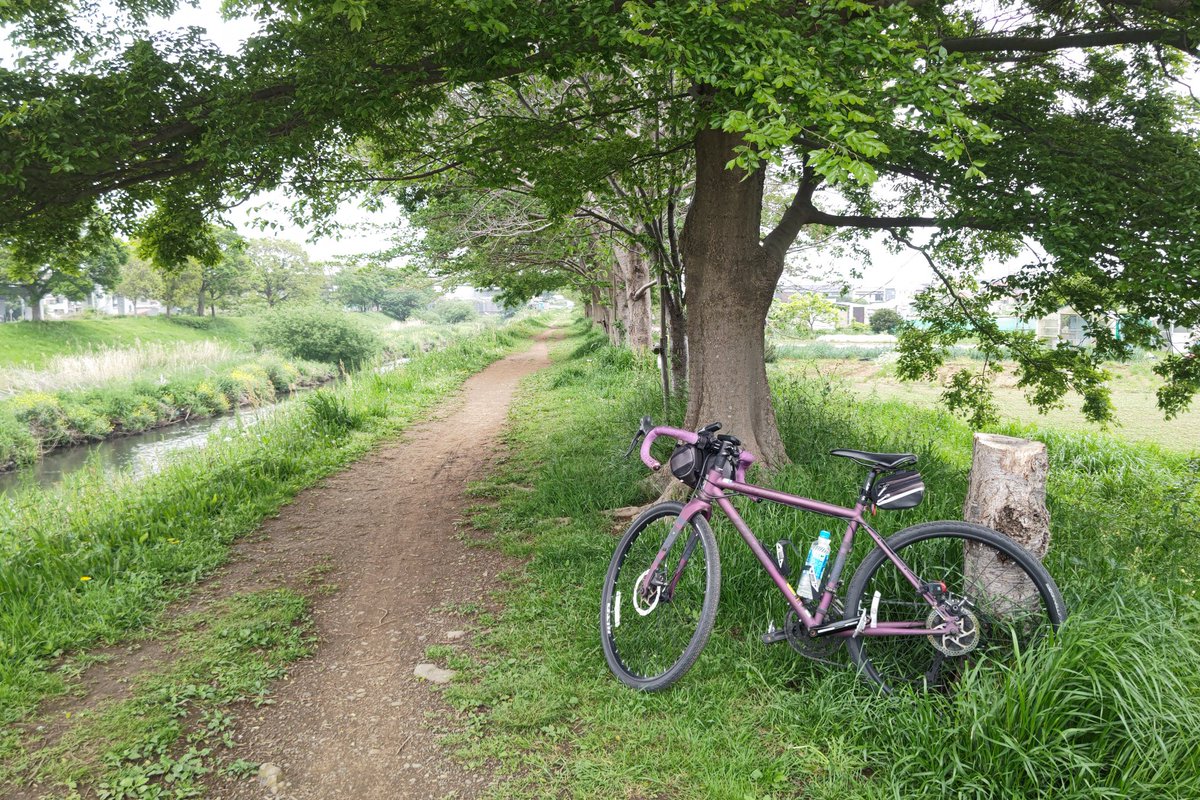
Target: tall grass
[1111,709]
[101,555]
[103,365]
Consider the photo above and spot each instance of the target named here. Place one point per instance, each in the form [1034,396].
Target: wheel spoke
[995,599]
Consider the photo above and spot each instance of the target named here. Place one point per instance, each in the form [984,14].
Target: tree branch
[1037,44]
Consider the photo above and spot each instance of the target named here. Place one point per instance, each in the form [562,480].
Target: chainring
[823,649]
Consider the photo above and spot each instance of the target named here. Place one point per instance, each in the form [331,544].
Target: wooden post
[1007,492]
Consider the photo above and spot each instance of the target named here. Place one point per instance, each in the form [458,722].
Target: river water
[140,453]
[144,453]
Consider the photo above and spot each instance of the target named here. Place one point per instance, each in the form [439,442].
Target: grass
[1112,710]
[110,364]
[102,555]
[33,344]
[175,727]
[1133,393]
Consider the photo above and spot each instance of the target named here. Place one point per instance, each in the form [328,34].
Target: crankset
[822,649]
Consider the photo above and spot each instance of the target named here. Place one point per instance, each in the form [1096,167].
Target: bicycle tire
[877,571]
[623,649]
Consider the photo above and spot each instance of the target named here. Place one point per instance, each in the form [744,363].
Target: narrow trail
[353,721]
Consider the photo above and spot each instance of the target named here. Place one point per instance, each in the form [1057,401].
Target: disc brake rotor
[956,644]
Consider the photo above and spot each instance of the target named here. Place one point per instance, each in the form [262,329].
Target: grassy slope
[1114,711]
[101,556]
[32,344]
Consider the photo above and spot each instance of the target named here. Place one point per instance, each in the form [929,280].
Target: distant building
[483,300]
[15,308]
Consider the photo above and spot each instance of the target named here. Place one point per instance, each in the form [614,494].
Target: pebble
[433,673]
[454,636]
[268,777]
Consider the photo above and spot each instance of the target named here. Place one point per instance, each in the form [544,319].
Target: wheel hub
[961,642]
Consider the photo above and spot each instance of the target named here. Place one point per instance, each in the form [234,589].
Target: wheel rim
[996,597]
[648,643]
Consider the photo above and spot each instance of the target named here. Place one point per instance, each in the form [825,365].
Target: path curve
[353,721]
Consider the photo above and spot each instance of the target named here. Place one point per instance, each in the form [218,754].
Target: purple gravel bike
[922,606]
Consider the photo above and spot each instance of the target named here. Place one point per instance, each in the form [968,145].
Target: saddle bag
[687,464]
[903,489]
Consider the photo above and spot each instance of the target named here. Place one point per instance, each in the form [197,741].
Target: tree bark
[200,302]
[633,274]
[35,310]
[618,298]
[1007,492]
[677,336]
[730,279]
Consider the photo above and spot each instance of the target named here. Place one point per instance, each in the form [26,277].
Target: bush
[449,312]
[885,320]
[17,444]
[314,333]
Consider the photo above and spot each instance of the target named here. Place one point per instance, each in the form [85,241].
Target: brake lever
[637,437]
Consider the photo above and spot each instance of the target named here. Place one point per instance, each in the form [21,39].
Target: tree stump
[1006,492]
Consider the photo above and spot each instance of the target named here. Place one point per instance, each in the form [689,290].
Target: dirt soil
[354,721]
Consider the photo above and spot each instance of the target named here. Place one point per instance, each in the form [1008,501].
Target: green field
[1138,418]
[31,344]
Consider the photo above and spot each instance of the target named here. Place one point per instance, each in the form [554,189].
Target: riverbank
[32,344]
[35,423]
[102,555]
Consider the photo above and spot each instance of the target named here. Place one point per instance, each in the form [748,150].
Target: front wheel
[1002,596]
[652,636]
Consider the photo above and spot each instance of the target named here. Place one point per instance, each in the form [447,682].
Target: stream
[140,454]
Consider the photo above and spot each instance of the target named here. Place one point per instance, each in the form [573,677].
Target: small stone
[433,673]
[268,777]
[454,636]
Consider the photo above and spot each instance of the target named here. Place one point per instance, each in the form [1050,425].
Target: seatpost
[866,488]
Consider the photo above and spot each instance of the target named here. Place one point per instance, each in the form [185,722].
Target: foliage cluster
[1111,709]
[138,542]
[886,320]
[34,422]
[318,333]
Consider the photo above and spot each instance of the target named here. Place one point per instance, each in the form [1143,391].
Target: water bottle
[814,566]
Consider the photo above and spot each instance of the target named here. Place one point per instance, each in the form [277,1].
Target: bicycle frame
[714,491]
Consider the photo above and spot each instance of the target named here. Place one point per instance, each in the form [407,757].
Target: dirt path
[353,721]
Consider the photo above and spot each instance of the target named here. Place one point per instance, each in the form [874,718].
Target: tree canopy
[968,131]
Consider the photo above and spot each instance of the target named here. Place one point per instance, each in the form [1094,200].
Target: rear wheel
[652,637]
[1003,597]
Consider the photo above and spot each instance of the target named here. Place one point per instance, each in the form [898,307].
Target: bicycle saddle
[881,460]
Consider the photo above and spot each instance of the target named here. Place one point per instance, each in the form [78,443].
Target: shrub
[43,415]
[314,333]
[449,312]
[885,320]
[17,445]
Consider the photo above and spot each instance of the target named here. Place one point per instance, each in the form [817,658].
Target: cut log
[1006,492]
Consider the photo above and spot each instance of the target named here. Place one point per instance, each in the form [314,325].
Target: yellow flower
[85,577]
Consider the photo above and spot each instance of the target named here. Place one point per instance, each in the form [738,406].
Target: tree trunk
[677,335]
[1007,492]
[730,281]
[599,311]
[636,275]
[618,297]
[35,310]
[200,302]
